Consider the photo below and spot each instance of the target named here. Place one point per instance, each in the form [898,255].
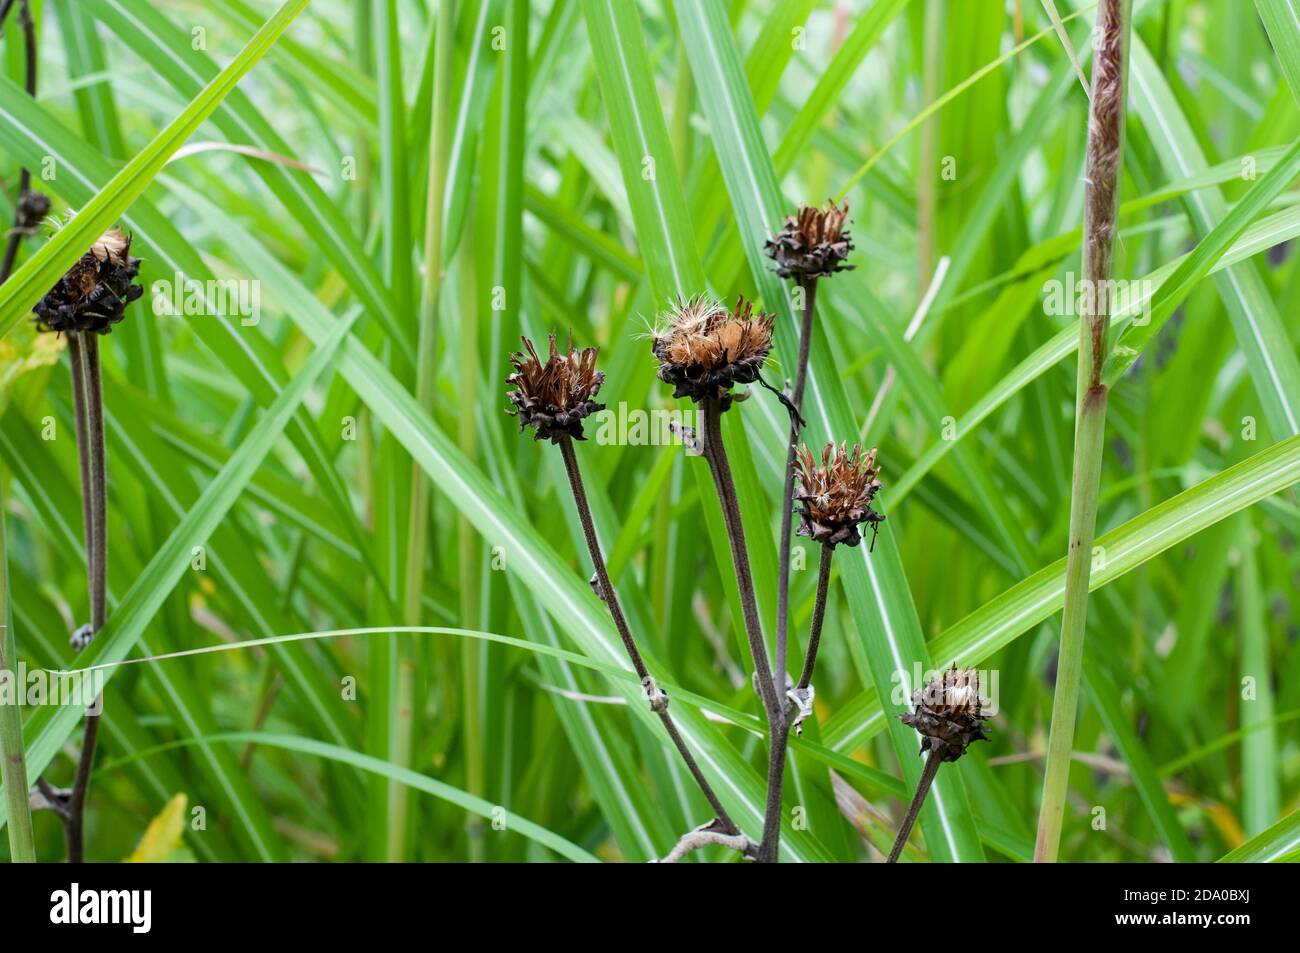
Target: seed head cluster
[92,296]
[813,244]
[704,349]
[555,395]
[836,496]
[947,713]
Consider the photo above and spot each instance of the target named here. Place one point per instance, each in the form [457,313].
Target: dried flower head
[947,713]
[32,208]
[813,243]
[92,296]
[553,396]
[837,495]
[705,349]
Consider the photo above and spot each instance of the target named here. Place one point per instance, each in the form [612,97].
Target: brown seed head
[837,495]
[705,349]
[553,396]
[93,294]
[813,243]
[947,713]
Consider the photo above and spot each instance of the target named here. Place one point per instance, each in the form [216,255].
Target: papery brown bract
[554,396]
[836,497]
[704,350]
[947,713]
[814,243]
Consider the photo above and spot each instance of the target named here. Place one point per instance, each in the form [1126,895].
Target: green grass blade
[39,273]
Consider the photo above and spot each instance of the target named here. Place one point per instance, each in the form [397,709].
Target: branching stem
[658,701]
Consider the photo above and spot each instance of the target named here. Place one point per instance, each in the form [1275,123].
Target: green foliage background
[602,158]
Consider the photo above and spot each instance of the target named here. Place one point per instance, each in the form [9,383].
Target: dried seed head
[31,210]
[813,243]
[837,495]
[947,713]
[704,349]
[92,296]
[553,396]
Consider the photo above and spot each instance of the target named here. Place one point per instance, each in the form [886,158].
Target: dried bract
[813,244]
[836,497]
[555,395]
[947,713]
[704,349]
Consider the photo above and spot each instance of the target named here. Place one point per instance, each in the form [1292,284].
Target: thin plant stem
[819,614]
[809,288]
[425,385]
[90,398]
[574,473]
[777,753]
[13,763]
[918,799]
[25,175]
[1105,151]
[715,453]
[769,848]
[13,760]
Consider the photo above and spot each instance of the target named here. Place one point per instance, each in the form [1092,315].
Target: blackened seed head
[948,713]
[93,294]
[814,243]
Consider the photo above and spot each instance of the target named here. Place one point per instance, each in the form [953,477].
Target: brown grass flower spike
[836,496]
[814,243]
[704,349]
[554,396]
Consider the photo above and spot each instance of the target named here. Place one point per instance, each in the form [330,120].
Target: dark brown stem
[715,453]
[819,614]
[90,409]
[658,701]
[25,176]
[769,848]
[809,288]
[914,809]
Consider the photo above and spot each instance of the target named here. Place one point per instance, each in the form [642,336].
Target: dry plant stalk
[706,351]
[1105,152]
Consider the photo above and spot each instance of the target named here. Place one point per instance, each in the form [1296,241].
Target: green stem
[1105,150]
[13,765]
[425,384]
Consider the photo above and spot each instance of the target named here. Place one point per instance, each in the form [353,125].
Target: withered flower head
[837,495]
[705,349]
[947,713]
[32,207]
[553,396]
[813,243]
[93,294]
